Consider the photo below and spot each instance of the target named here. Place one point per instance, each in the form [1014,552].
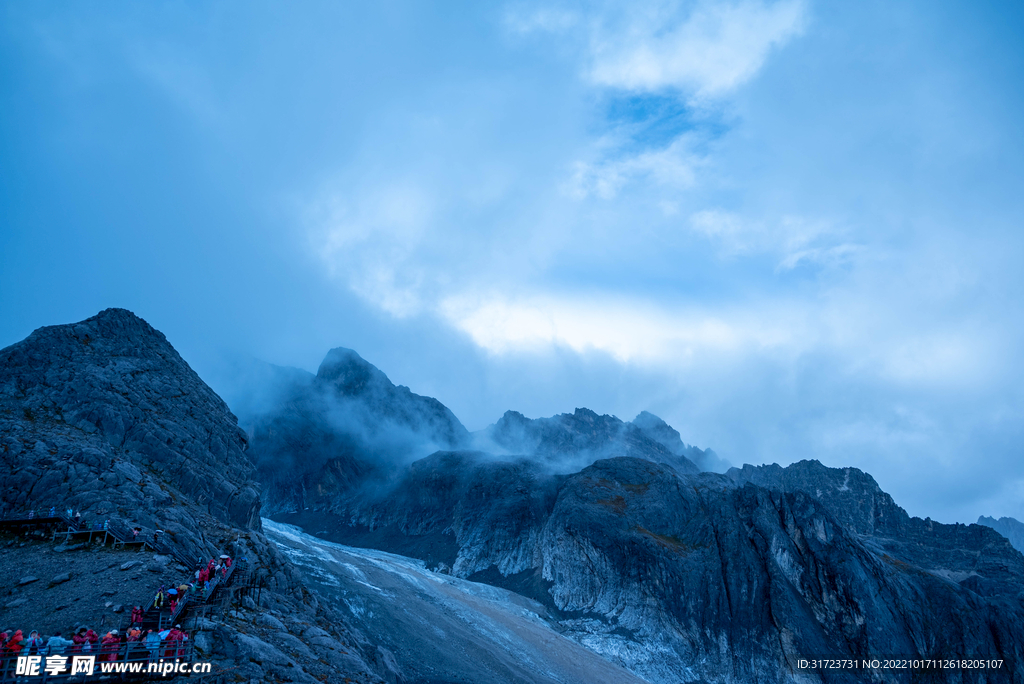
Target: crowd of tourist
[129,645]
[134,643]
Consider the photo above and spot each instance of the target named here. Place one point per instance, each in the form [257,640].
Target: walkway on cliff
[132,658]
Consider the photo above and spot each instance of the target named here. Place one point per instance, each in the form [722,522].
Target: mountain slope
[693,577]
[972,555]
[442,628]
[104,416]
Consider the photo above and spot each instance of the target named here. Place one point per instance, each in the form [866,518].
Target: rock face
[1010,528]
[973,555]
[324,434]
[698,577]
[105,417]
[675,574]
[851,495]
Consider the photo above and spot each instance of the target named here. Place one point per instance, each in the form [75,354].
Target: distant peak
[339,357]
[115,313]
[349,371]
[646,419]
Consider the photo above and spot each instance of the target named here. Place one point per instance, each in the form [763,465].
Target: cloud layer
[791,229]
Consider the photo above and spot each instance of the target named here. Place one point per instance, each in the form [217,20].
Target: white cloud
[673,167]
[628,330]
[705,49]
[792,240]
[823,256]
[371,243]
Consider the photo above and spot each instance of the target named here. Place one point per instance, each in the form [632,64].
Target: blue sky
[792,229]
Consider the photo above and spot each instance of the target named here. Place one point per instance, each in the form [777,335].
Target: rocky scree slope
[105,417]
[441,628]
[698,577]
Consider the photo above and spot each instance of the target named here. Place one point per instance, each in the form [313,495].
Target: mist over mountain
[571,441]
[677,574]
[574,531]
[316,436]
[655,428]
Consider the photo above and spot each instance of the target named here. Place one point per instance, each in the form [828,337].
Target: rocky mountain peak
[586,415]
[852,495]
[350,373]
[660,431]
[111,392]
[579,438]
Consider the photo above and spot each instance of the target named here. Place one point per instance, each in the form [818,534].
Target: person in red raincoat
[110,645]
[79,640]
[136,615]
[93,639]
[173,638]
[13,645]
[182,638]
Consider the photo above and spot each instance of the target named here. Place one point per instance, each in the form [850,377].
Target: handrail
[120,533]
[115,528]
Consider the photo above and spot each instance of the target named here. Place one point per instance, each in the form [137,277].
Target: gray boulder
[60,579]
[265,620]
